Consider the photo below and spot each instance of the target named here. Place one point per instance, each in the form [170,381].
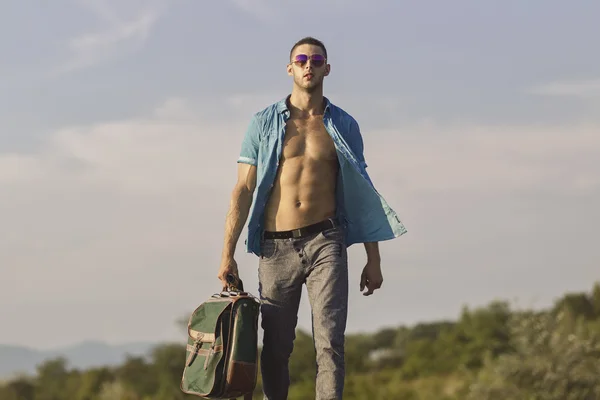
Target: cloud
[448,158]
[125,219]
[129,155]
[116,213]
[118,36]
[574,88]
[269,11]
[263,10]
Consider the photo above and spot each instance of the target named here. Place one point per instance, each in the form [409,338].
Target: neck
[307,104]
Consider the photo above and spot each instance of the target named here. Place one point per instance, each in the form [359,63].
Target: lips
[308,76]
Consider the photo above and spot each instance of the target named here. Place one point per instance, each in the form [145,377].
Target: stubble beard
[311,86]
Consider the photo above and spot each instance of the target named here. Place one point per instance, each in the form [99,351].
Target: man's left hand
[371,277]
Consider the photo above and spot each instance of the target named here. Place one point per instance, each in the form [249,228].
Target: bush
[553,359]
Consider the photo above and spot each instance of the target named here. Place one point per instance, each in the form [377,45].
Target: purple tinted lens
[318,60]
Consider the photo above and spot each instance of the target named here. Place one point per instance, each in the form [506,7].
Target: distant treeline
[489,353]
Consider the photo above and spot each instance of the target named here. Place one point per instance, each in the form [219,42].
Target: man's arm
[239,208]
[371,277]
[241,198]
[372,250]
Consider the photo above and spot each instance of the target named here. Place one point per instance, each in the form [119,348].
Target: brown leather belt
[304,231]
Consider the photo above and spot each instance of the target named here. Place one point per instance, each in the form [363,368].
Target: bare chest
[308,139]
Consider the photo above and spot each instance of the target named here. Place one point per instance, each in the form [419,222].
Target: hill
[18,360]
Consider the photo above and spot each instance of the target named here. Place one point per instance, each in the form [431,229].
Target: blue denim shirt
[365,214]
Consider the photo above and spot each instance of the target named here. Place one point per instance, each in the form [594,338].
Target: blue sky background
[120,124]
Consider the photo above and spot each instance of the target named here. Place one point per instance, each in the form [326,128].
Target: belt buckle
[296,233]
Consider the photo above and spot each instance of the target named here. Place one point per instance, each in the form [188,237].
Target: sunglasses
[317,60]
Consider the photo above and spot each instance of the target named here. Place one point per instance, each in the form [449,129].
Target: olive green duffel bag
[222,347]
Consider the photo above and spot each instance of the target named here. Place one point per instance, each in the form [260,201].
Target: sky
[121,123]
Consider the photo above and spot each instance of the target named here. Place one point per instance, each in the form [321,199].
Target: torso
[305,185]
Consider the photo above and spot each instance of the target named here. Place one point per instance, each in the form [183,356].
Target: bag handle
[235,283]
[235,288]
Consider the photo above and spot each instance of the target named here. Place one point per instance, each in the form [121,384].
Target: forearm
[372,250]
[239,208]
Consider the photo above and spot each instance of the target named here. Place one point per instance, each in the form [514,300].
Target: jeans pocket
[268,248]
[335,233]
[334,238]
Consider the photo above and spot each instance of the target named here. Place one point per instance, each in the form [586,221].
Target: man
[302,170]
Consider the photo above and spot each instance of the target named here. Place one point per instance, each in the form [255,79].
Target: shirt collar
[282,106]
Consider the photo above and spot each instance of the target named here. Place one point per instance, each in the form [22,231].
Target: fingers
[222,276]
[227,268]
[226,272]
[363,281]
[370,285]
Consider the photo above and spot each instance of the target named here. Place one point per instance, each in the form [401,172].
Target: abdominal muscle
[303,193]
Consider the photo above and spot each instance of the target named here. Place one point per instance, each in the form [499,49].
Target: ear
[289,69]
[327,69]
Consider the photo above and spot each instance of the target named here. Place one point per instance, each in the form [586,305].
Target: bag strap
[201,337]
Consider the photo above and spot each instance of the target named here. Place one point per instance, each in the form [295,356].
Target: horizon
[512,305]
[480,126]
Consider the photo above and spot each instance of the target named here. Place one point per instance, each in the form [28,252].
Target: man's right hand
[228,266]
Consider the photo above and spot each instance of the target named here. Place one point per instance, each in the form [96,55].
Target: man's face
[308,66]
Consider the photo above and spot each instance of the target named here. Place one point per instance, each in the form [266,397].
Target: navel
[298,204]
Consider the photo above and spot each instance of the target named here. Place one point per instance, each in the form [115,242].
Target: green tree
[138,375]
[384,339]
[302,361]
[115,390]
[357,349]
[576,305]
[595,299]
[168,362]
[52,380]
[91,382]
[550,362]
[484,332]
[21,388]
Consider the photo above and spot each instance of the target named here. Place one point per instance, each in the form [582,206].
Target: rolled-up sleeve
[250,143]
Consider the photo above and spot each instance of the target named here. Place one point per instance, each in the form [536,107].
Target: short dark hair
[309,40]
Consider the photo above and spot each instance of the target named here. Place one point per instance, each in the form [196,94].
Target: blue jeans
[321,262]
